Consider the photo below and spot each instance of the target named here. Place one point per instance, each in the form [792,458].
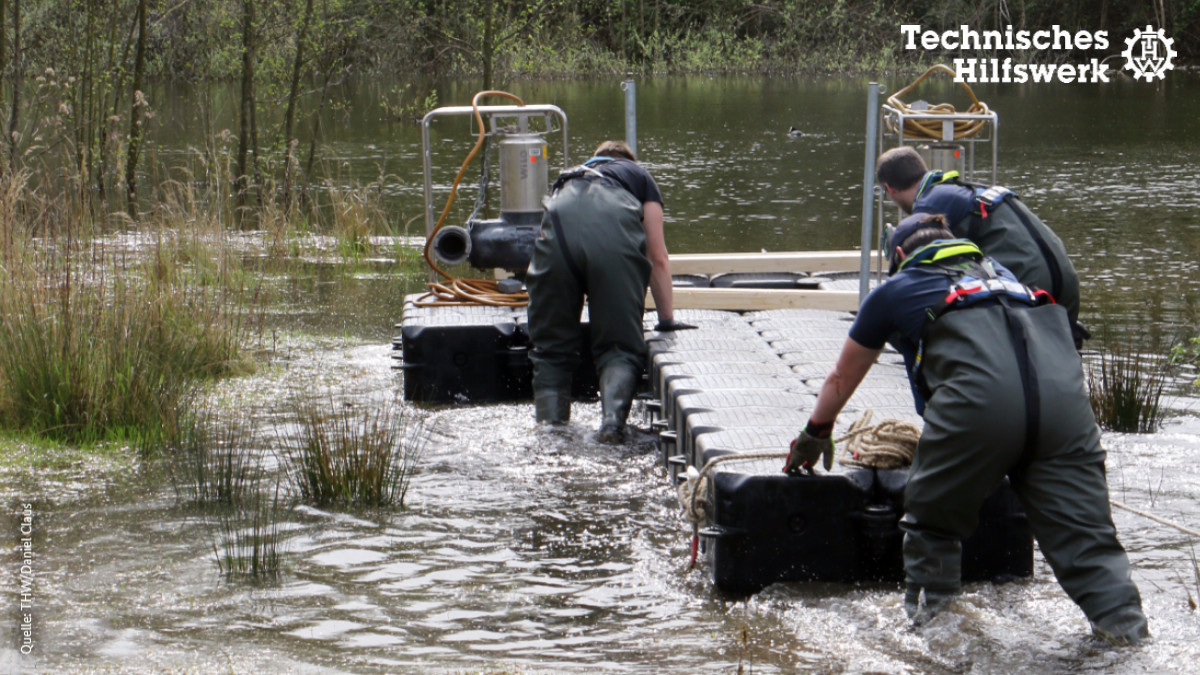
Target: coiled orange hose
[453,290]
[932,128]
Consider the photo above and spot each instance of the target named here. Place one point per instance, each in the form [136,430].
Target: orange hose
[932,129]
[456,291]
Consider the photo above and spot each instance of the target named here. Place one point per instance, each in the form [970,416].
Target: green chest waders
[592,244]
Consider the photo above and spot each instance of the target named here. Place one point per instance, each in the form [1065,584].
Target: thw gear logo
[1149,54]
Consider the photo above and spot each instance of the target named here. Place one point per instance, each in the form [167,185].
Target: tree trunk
[17,73]
[135,114]
[102,122]
[242,181]
[289,118]
[316,131]
[3,53]
[489,43]
[85,130]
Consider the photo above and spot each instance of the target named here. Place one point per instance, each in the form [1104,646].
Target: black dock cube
[770,528]
[460,364]
[842,527]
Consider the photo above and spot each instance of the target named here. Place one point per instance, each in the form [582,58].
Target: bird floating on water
[795,133]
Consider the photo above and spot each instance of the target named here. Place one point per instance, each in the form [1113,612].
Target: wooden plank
[750,299]
[775,261]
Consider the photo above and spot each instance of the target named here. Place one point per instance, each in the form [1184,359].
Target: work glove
[813,443]
[671,324]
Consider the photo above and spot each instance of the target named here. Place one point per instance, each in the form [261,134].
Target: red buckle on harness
[959,292]
[1043,295]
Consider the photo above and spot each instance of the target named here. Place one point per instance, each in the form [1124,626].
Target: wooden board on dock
[755,299]
[773,261]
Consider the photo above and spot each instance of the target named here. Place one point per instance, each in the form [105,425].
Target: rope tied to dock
[695,492]
[889,444]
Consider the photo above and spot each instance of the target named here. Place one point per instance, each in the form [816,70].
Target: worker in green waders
[999,384]
[991,216]
[601,238]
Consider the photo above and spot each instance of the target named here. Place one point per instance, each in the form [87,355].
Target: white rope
[887,445]
[694,491]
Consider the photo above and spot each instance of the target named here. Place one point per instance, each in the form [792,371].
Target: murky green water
[535,551]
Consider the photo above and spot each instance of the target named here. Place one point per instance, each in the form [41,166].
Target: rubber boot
[553,405]
[933,574]
[922,603]
[618,384]
[1122,628]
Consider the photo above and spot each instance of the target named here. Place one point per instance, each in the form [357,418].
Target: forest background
[79,71]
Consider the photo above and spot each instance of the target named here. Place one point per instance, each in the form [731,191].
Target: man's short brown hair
[615,149]
[900,168]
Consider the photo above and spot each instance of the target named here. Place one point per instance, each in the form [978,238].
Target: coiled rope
[884,445]
[453,290]
[932,128]
[887,445]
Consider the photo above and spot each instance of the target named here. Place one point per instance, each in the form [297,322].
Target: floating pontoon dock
[744,383]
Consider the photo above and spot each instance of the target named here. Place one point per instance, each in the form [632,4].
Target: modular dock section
[744,382]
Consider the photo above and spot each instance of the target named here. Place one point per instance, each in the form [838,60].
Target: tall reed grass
[341,454]
[1126,388]
[215,466]
[212,461]
[108,337]
[99,343]
[248,544]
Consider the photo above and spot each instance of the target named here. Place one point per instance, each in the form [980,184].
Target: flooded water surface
[529,550]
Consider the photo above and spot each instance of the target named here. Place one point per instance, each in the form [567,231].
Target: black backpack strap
[1029,383]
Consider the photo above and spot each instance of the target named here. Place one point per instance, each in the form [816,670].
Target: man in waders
[1000,386]
[602,237]
[992,217]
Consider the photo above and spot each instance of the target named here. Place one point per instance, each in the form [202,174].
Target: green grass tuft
[1126,389]
[247,543]
[342,454]
[212,462]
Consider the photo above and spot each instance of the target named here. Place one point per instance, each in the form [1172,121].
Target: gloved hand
[671,324]
[812,443]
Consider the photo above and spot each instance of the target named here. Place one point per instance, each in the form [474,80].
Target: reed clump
[107,336]
[352,455]
[215,466]
[93,348]
[248,543]
[1126,386]
[212,461]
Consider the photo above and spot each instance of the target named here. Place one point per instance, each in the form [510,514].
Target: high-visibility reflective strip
[950,251]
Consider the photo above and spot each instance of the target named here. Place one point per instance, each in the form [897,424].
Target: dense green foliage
[199,39]
[77,107]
